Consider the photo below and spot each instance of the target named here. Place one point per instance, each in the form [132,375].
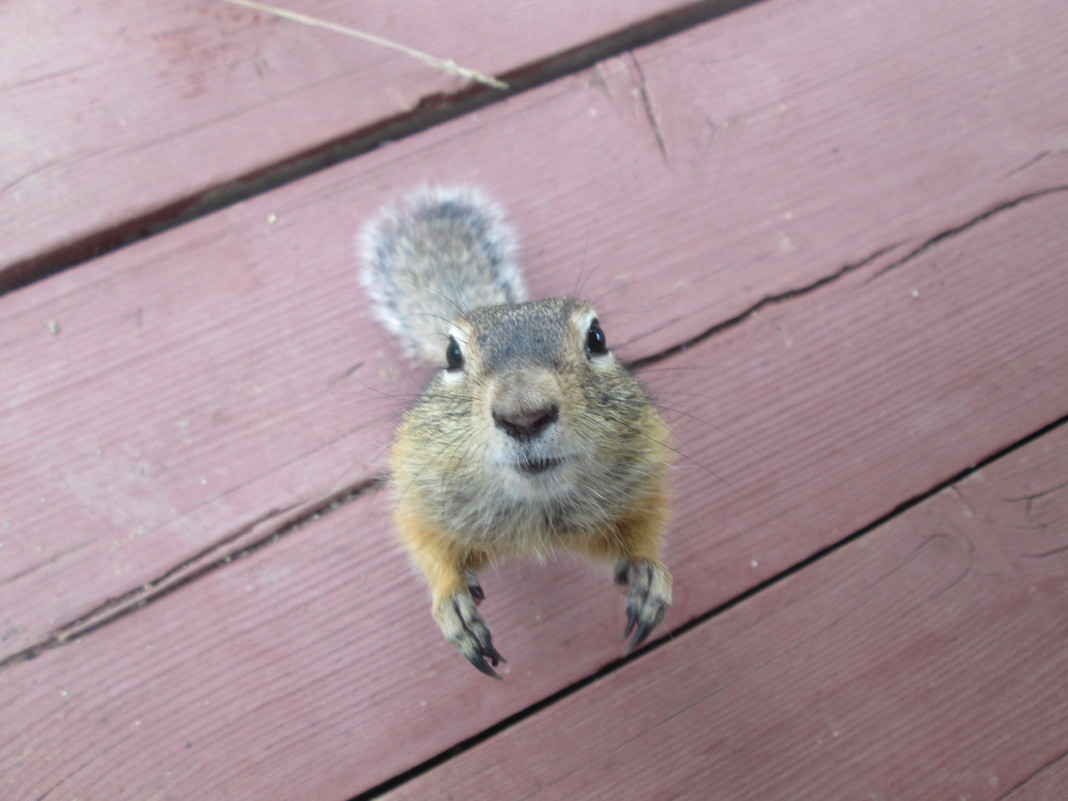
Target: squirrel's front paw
[648,597]
[464,627]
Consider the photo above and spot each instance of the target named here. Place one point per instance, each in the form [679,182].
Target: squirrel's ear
[454,357]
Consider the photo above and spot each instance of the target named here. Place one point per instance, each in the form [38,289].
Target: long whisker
[703,422]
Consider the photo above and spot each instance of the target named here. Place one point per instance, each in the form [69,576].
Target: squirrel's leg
[451,573]
[634,544]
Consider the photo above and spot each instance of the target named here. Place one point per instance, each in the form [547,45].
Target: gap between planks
[294,517]
[431,111]
[681,631]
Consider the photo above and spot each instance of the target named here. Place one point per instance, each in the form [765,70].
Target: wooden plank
[118,117]
[853,395]
[163,404]
[1047,781]
[925,660]
[312,669]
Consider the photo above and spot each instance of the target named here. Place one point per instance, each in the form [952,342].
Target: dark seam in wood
[647,104]
[38,169]
[790,294]
[187,571]
[1034,774]
[431,110]
[1028,163]
[518,717]
[1036,495]
[960,229]
[781,297]
[1044,554]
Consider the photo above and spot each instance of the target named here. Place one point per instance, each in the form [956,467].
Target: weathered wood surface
[118,117]
[164,399]
[927,659]
[199,383]
[300,669]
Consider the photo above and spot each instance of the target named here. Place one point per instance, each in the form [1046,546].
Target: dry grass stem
[447,65]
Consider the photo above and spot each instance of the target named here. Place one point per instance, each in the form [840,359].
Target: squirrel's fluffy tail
[439,253]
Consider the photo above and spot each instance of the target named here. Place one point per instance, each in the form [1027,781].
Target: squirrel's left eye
[454,357]
[596,344]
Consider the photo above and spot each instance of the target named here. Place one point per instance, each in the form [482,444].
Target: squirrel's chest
[534,526]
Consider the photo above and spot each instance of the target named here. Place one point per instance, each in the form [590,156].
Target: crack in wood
[1045,554]
[841,272]
[960,229]
[1034,496]
[1029,163]
[680,631]
[197,566]
[642,86]
[1031,777]
[768,300]
[431,111]
[190,570]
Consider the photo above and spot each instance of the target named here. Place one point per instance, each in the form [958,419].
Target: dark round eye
[454,358]
[596,344]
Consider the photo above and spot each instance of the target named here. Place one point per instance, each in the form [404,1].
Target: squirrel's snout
[525,404]
[526,425]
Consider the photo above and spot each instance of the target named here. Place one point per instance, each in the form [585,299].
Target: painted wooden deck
[831,233]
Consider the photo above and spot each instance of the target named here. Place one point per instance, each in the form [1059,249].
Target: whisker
[694,417]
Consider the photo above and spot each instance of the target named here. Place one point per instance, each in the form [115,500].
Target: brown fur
[536,441]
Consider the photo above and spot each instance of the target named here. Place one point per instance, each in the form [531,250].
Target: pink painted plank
[925,660]
[197,383]
[117,117]
[1048,781]
[312,669]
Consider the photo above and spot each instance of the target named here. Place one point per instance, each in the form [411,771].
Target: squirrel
[531,436]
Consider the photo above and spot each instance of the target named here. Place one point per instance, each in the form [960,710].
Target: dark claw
[491,652]
[632,620]
[639,637]
[479,662]
[467,631]
[648,598]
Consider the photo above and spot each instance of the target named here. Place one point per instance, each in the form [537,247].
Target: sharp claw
[493,654]
[479,662]
[648,598]
[465,629]
[632,620]
[639,637]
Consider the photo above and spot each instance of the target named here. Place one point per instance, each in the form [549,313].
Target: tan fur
[537,441]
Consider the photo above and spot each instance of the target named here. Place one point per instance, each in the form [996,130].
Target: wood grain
[173,403]
[300,669]
[119,118]
[165,404]
[925,660]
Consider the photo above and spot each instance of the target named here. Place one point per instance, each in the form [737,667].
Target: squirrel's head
[532,418]
[536,395]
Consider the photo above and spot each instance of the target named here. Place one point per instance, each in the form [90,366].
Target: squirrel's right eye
[596,344]
[454,357]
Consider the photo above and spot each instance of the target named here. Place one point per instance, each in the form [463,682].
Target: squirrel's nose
[526,425]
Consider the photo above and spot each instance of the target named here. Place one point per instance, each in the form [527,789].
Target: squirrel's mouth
[537,467]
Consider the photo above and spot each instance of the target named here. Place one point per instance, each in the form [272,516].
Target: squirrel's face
[535,393]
